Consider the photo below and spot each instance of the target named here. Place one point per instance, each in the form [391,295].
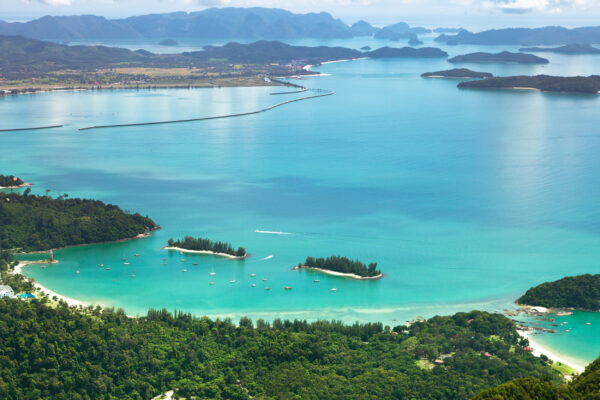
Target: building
[6,291]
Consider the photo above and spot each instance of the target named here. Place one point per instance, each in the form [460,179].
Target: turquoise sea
[464,198]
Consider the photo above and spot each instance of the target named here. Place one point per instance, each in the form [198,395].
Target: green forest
[60,353]
[201,244]
[9,180]
[37,223]
[581,292]
[584,387]
[342,264]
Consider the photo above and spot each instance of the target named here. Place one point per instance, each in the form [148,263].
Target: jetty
[31,129]
[320,93]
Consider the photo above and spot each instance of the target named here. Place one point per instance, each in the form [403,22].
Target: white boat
[101,265]
[254,285]
[253,275]
[232,281]
[333,289]
[212,273]
[126,263]
[185,270]
[132,276]
[267,288]
[264,279]
[212,283]
[77,272]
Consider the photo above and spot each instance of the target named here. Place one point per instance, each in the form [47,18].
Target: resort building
[6,291]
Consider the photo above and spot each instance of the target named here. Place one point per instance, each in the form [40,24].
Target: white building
[6,291]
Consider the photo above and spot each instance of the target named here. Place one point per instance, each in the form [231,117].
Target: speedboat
[252,275]
[288,288]
[254,285]
[212,273]
[333,289]
[316,281]
[232,281]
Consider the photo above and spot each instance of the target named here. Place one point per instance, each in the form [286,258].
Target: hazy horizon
[470,14]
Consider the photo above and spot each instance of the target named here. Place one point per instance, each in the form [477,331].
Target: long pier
[322,92]
[31,129]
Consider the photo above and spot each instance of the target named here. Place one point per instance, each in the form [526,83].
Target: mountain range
[549,35]
[212,23]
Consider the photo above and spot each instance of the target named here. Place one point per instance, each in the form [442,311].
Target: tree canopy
[582,292]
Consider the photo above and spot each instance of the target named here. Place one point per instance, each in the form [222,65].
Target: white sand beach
[18,269]
[347,275]
[538,349]
[204,252]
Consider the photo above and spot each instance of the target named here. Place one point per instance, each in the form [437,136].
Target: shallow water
[465,198]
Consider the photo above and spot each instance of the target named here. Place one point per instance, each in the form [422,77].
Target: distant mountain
[566,49]
[550,35]
[362,28]
[503,57]
[457,73]
[259,23]
[406,52]
[263,52]
[390,34]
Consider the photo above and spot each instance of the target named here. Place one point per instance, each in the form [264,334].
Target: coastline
[25,184]
[18,269]
[138,236]
[342,274]
[205,252]
[538,349]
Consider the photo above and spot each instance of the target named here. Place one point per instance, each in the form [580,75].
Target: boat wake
[266,258]
[272,232]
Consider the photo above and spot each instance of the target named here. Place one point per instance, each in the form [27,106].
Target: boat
[252,275]
[212,273]
[181,252]
[333,289]
[267,288]
[185,270]
[264,279]
[195,263]
[254,285]
[316,281]
[77,272]
[43,266]
[212,283]
[588,323]
[126,263]
[132,276]
[288,288]
[232,281]
[101,265]
[183,260]
[137,255]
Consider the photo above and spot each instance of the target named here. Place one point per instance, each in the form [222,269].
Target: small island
[502,57]
[342,266]
[457,73]
[566,49]
[580,292]
[407,52]
[545,83]
[206,246]
[168,42]
[414,41]
[365,48]
[12,182]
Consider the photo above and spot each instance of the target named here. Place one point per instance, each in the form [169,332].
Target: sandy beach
[18,269]
[538,349]
[205,252]
[17,187]
[346,275]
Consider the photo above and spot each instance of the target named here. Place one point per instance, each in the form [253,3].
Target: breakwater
[31,129]
[321,93]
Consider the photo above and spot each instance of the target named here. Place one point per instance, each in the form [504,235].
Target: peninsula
[205,246]
[566,49]
[12,182]
[580,292]
[341,266]
[40,223]
[457,73]
[502,57]
[545,83]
